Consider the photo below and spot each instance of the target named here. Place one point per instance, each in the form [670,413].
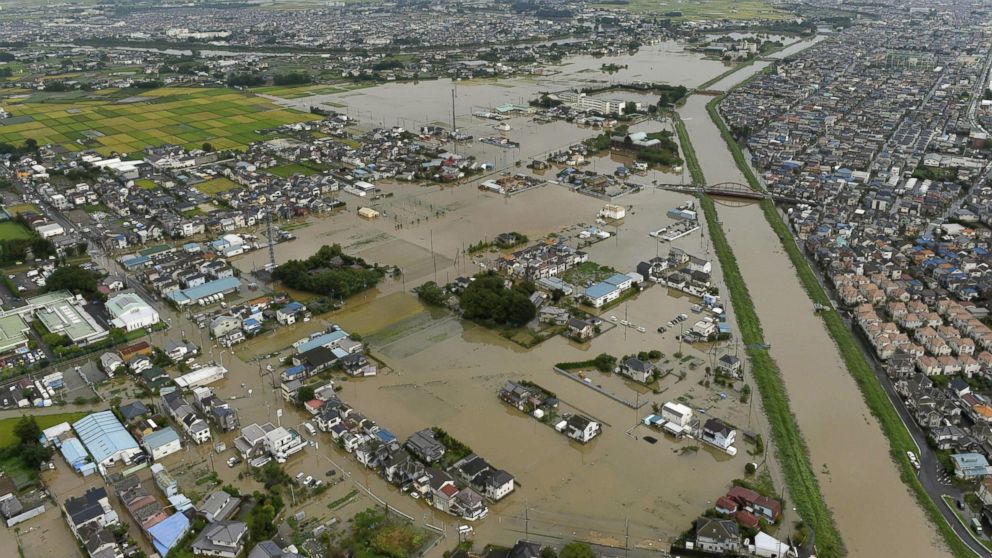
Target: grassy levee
[688,152]
[900,440]
[791,450]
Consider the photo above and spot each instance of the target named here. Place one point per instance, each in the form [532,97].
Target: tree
[576,550]
[74,279]
[604,362]
[27,430]
[208,147]
[431,293]
[304,394]
[548,552]
[488,300]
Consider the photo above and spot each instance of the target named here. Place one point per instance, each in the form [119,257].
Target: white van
[310,429]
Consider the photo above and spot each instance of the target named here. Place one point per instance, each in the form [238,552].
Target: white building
[50,230]
[613,211]
[161,443]
[676,413]
[130,312]
[281,443]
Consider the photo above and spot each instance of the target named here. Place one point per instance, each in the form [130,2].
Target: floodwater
[445,372]
[849,454]
[412,105]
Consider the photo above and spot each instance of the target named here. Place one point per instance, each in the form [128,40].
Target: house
[133,410]
[730,365]
[161,443]
[221,538]
[269,549]
[756,503]
[358,365]
[110,363]
[717,536]
[970,465]
[282,442]
[580,428]
[580,330]
[223,325]
[218,506]
[717,433]
[425,446]
[636,369]
[288,314]
[676,413]
[93,507]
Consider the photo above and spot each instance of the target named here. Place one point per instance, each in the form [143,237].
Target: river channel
[874,511]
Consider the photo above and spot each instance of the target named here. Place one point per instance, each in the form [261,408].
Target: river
[873,509]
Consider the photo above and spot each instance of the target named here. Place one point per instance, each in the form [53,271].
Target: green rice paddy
[179,116]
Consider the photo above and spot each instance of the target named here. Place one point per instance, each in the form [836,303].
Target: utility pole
[454,142]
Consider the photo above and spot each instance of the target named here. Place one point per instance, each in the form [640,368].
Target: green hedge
[688,152]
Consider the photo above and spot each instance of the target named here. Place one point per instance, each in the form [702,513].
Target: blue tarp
[166,533]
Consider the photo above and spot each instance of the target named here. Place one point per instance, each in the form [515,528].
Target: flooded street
[441,371]
[847,449]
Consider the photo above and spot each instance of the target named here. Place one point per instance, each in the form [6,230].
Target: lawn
[587,272]
[145,184]
[188,117]
[7,437]
[705,9]
[13,231]
[216,186]
[290,169]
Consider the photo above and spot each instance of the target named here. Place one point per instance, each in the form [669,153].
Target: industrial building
[130,312]
[106,439]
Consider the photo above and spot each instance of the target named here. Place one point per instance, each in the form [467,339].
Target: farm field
[178,116]
[705,9]
[289,169]
[13,231]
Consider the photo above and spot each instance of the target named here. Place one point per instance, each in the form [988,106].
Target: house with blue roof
[599,294]
[322,340]
[161,443]
[167,533]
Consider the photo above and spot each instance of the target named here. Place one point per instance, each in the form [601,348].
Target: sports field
[13,231]
[179,116]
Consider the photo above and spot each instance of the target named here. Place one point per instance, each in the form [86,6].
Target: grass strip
[688,151]
[900,440]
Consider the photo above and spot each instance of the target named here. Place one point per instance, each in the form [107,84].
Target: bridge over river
[730,190]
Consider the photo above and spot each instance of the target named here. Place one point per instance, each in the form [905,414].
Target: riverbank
[791,449]
[874,395]
[793,455]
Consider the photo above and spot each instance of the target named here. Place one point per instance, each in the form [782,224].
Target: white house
[580,428]
[130,312]
[161,443]
[281,443]
[718,434]
[676,413]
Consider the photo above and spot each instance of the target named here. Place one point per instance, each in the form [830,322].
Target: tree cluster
[245,79]
[329,272]
[489,301]
[76,280]
[431,294]
[28,448]
[292,78]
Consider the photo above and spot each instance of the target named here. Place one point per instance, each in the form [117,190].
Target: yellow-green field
[179,116]
[215,186]
[707,9]
[16,210]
